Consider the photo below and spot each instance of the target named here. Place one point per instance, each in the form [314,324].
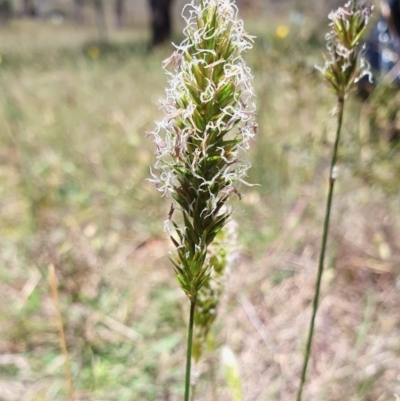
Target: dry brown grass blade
[63,344]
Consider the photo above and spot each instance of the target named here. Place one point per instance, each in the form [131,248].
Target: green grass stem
[332,179]
[189,349]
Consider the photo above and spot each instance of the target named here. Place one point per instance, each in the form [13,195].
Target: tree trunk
[5,11]
[119,13]
[29,9]
[161,24]
[100,19]
[77,11]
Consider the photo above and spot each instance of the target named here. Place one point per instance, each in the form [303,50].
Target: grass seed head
[206,129]
[344,63]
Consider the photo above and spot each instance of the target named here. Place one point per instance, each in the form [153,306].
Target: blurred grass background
[73,193]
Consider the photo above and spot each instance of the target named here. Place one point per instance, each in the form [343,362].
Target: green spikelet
[210,294]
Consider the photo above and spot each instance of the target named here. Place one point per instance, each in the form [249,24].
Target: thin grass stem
[189,349]
[332,179]
[63,344]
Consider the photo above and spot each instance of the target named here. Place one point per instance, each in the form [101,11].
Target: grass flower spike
[202,139]
[343,68]
[344,64]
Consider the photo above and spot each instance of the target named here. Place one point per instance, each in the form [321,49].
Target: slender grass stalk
[189,350]
[332,180]
[63,343]
[344,66]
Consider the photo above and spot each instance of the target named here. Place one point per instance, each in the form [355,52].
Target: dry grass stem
[63,344]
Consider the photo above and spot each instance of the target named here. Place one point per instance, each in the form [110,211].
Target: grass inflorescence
[343,68]
[200,143]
